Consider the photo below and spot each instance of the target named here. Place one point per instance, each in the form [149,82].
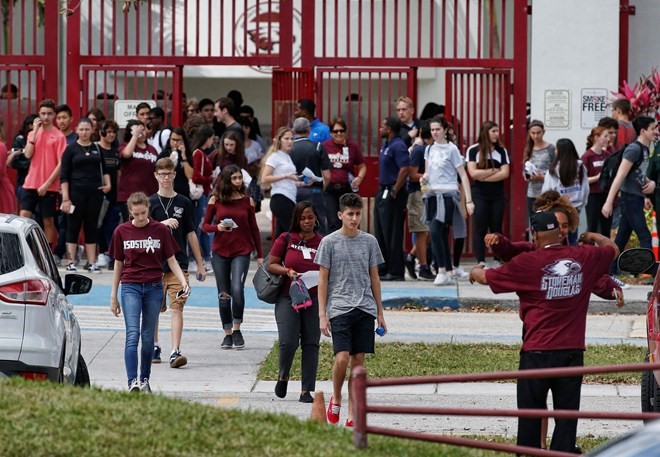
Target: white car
[39,335]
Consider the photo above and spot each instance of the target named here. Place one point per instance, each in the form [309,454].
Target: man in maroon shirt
[553,284]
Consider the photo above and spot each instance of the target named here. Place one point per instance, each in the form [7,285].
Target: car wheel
[650,391]
[82,374]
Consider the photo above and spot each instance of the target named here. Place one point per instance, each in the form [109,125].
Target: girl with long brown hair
[488,166]
[537,158]
[597,151]
[231,218]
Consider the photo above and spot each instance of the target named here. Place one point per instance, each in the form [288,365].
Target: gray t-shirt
[442,161]
[349,260]
[542,159]
[637,176]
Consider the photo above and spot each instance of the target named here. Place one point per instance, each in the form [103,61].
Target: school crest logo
[561,279]
[257,33]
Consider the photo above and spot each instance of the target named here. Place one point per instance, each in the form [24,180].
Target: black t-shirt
[112,163]
[306,153]
[82,167]
[180,181]
[417,160]
[495,159]
[180,208]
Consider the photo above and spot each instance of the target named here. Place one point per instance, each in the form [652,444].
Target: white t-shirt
[442,160]
[282,165]
[160,139]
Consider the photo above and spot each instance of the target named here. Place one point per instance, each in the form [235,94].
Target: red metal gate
[473,97]
[289,86]
[362,97]
[102,85]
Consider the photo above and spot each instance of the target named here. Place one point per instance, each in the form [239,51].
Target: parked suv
[39,335]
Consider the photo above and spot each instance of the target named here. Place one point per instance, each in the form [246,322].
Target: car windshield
[11,258]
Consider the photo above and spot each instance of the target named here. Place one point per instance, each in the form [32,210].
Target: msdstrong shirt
[143,250]
[554,285]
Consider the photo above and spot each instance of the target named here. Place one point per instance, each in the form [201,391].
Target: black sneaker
[425,274]
[156,357]
[410,265]
[239,342]
[177,360]
[306,397]
[227,342]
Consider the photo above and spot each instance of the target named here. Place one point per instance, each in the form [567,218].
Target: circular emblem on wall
[257,33]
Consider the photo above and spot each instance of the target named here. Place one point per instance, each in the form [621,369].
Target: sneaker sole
[179,362]
[226,347]
[156,361]
[239,347]
[420,278]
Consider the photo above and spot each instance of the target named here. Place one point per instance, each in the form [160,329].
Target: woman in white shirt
[568,176]
[444,165]
[280,173]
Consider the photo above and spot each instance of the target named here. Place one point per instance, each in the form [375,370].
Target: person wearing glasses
[178,150]
[176,212]
[346,161]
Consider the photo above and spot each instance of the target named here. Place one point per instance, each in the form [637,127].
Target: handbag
[196,190]
[266,284]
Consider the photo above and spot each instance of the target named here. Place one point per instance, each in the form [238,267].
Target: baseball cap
[544,221]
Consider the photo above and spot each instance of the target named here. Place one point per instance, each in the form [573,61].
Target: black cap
[544,221]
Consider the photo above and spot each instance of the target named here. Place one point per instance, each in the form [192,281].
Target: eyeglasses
[166,175]
[176,140]
[339,131]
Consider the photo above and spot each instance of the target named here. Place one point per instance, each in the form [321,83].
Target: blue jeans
[230,274]
[136,299]
[632,219]
[198,215]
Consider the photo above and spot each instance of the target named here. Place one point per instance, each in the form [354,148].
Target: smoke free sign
[594,106]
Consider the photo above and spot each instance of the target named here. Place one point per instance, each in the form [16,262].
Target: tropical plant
[644,96]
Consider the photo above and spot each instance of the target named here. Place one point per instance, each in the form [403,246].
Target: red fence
[361,408]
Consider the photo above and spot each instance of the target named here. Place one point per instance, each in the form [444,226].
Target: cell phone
[17,150]
[72,208]
[183,293]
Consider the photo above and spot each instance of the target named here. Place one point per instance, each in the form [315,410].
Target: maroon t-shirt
[243,239]
[137,173]
[553,284]
[143,250]
[594,164]
[294,257]
[343,160]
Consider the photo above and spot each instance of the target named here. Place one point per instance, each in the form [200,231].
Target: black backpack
[611,166]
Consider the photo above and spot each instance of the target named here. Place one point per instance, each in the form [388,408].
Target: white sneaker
[443,279]
[134,386]
[93,268]
[495,264]
[103,260]
[620,283]
[460,273]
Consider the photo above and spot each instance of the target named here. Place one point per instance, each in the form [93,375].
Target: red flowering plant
[644,96]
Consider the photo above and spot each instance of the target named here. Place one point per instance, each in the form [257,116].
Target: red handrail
[360,383]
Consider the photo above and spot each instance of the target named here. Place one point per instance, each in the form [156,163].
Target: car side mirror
[75,284]
[636,260]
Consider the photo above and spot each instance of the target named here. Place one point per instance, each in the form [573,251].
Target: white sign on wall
[125,110]
[557,109]
[593,106]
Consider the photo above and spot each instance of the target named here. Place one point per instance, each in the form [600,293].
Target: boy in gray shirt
[349,296]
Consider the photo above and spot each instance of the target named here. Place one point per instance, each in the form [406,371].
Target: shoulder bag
[266,284]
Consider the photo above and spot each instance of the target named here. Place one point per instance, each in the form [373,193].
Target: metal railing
[361,408]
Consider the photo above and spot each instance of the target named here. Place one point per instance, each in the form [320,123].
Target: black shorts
[47,204]
[353,332]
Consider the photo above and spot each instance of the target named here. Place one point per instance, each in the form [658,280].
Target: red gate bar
[361,408]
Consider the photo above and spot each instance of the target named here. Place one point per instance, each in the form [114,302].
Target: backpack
[611,166]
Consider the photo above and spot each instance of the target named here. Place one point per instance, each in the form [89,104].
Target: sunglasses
[339,131]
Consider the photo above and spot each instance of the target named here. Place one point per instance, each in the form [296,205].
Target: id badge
[307,254]
[385,193]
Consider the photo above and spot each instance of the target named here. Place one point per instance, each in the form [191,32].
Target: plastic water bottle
[351,178]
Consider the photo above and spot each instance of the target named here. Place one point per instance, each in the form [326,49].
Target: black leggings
[488,217]
[596,222]
[440,232]
[87,204]
[282,209]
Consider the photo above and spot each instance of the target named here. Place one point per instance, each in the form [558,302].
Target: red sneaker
[333,412]
[349,423]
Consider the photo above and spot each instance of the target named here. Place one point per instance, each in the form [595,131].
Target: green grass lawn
[419,359]
[43,419]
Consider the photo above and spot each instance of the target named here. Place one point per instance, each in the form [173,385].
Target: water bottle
[351,178]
